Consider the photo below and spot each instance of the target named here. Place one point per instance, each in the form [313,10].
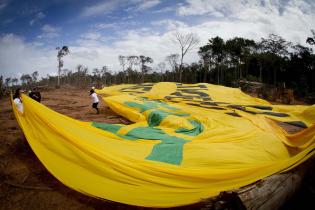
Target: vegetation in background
[272,61]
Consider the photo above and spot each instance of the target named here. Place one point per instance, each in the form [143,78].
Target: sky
[98,31]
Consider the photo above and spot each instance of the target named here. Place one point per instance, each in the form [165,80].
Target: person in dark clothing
[35,94]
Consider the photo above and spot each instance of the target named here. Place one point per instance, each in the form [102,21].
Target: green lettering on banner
[169,150]
[198,128]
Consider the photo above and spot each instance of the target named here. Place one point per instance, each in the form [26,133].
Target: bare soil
[24,182]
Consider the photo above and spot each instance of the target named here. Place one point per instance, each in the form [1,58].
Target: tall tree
[104,72]
[133,60]
[144,68]
[96,72]
[215,49]
[238,49]
[205,53]
[277,48]
[161,67]
[186,42]
[172,60]
[26,79]
[96,75]
[61,53]
[1,86]
[7,81]
[311,40]
[301,63]
[34,76]
[14,81]
[122,61]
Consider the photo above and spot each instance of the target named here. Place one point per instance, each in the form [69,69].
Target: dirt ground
[25,184]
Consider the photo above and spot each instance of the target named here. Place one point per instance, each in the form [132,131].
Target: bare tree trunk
[205,73]
[218,74]
[181,68]
[260,73]
[58,79]
[142,74]
[275,77]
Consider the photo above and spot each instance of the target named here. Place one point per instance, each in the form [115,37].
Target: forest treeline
[272,61]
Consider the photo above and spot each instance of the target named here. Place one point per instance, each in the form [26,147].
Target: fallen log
[269,193]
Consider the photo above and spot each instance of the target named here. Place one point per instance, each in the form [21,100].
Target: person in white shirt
[17,99]
[95,100]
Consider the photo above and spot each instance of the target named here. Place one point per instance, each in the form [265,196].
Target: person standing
[95,100]
[35,94]
[17,99]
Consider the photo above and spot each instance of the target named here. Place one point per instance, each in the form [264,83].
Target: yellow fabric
[215,138]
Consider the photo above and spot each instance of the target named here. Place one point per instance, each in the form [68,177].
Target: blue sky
[97,31]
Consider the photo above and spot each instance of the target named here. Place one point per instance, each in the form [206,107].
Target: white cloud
[219,8]
[104,7]
[37,18]
[92,39]
[232,8]
[293,21]
[7,21]
[92,36]
[3,4]
[169,24]
[32,22]
[147,4]
[49,31]
[105,25]
[19,57]
[164,10]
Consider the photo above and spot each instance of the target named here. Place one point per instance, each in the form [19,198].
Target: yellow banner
[187,143]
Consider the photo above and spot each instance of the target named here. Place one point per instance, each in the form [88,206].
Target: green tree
[34,76]
[238,49]
[311,40]
[276,48]
[172,60]
[61,53]
[104,73]
[122,61]
[7,81]
[133,60]
[214,50]
[161,68]
[1,86]
[144,68]
[14,81]
[26,79]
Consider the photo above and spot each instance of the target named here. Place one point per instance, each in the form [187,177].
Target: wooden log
[269,193]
